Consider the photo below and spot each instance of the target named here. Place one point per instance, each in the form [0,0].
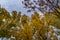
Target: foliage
[22,27]
[41,5]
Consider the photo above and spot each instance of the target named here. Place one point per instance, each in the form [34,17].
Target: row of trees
[23,27]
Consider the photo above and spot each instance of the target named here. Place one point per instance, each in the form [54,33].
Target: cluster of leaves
[22,27]
[41,5]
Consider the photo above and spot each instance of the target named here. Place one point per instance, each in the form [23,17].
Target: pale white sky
[13,5]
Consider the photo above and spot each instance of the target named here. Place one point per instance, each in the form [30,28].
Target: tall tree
[23,27]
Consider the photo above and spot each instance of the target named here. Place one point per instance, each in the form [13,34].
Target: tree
[23,27]
[42,5]
[49,8]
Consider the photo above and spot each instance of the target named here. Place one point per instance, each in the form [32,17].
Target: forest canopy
[23,27]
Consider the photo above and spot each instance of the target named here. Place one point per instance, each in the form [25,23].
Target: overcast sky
[13,5]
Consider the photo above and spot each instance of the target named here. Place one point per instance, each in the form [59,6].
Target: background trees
[22,27]
[42,6]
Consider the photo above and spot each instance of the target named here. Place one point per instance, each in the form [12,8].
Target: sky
[11,5]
